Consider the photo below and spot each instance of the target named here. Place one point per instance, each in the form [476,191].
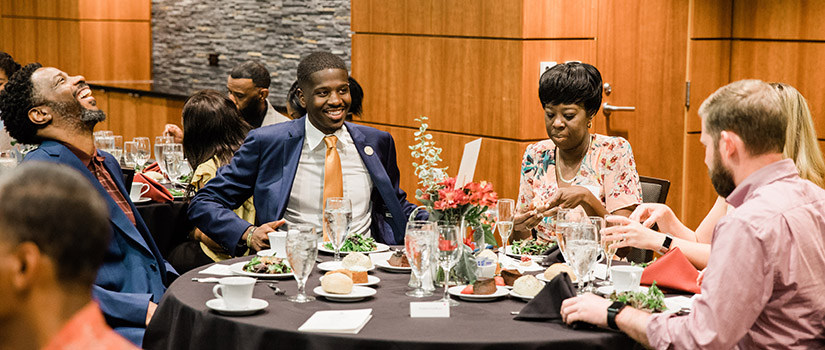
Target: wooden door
[642,53]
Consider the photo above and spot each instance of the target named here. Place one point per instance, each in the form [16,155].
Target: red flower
[445,245]
[469,242]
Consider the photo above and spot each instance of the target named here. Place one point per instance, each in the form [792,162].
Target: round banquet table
[182,321]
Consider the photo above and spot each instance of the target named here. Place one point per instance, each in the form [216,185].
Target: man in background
[54,231]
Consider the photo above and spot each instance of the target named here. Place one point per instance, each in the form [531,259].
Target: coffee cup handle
[215,290]
[144,188]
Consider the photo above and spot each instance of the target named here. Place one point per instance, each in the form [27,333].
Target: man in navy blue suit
[283,166]
[48,107]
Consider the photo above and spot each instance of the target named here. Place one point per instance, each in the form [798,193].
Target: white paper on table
[600,271]
[337,321]
[217,269]
[679,302]
[468,163]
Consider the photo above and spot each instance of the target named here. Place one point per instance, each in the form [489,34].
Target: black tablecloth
[183,321]
[167,223]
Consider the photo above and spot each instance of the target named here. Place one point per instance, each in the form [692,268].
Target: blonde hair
[801,142]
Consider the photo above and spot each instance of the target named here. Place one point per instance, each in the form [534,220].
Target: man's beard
[85,119]
[721,177]
[252,114]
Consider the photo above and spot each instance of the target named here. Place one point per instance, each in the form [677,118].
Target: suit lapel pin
[368,150]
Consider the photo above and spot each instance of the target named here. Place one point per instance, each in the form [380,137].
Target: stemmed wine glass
[582,247]
[301,250]
[337,218]
[505,211]
[172,157]
[609,252]
[448,254]
[598,225]
[143,150]
[160,142]
[418,247]
[129,153]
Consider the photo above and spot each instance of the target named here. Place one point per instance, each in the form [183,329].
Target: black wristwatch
[666,244]
[612,311]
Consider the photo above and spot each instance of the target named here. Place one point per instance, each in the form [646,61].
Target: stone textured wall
[275,32]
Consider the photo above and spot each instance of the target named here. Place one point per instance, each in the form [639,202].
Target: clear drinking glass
[160,141]
[337,217]
[582,247]
[598,225]
[172,157]
[301,250]
[418,247]
[117,147]
[560,226]
[448,253]
[129,153]
[506,210]
[609,254]
[105,143]
[143,151]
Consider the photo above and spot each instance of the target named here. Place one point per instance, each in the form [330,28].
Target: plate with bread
[353,262]
[396,262]
[371,281]
[340,286]
[483,289]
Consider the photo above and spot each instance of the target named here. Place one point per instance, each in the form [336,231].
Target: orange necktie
[333,179]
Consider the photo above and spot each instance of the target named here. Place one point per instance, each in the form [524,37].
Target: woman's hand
[655,213]
[630,233]
[526,219]
[574,196]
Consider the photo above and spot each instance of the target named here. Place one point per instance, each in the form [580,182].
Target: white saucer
[142,200]
[254,306]
[371,281]
[335,265]
[385,265]
[456,291]
[606,290]
[358,293]
[520,296]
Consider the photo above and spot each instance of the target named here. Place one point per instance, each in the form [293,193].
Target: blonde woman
[800,145]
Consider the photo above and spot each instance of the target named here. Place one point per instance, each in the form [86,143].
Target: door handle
[607,109]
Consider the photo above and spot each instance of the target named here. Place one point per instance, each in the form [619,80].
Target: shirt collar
[86,159]
[315,137]
[767,174]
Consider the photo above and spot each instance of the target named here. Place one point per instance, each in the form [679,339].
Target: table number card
[468,163]
[429,309]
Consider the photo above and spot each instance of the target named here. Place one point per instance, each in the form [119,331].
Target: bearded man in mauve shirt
[764,281]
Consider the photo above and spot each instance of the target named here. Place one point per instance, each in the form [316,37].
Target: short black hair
[56,208]
[318,61]
[294,101]
[252,70]
[7,64]
[356,94]
[572,83]
[16,101]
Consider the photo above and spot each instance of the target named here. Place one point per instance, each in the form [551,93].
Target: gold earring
[589,124]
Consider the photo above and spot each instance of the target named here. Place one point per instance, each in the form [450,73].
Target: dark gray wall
[276,32]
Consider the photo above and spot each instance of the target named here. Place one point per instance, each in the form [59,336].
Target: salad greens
[176,192]
[653,300]
[267,264]
[355,243]
[530,247]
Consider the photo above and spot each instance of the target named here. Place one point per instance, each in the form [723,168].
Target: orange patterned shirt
[87,330]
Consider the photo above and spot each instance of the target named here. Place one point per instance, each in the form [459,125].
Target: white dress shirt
[306,200]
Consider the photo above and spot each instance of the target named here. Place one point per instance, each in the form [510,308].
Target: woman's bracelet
[249,236]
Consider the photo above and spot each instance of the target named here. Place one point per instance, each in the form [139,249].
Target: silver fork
[278,291]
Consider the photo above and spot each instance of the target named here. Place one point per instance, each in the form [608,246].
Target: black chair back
[654,190]
[128,176]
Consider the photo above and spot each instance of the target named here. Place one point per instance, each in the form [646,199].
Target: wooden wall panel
[779,19]
[22,33]
[116,50]
[499,162]
[711,18]
[709,70]
[794,63]
[136,10]
[700,196]
[132,116]
[559,19]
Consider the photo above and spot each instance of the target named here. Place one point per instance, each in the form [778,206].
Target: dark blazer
[133,271]
[265,167]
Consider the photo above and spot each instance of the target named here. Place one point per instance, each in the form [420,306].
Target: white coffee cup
[277,241]
[236,292]
[138,189]
[626,278]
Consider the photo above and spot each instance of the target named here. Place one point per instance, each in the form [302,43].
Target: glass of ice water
[337,218]
[301,250]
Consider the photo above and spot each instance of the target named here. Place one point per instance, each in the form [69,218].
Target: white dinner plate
[521,296]
[510,253]
[335,265]
[606,290]
[379,247]
[385,265]
[456,291]
[371,281]
[237,268]
[254,306]
[142,200]
[358,293]
[268,252]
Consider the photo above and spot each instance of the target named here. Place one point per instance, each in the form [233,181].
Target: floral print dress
[607,170]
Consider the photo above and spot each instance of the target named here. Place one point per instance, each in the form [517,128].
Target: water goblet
[582,249]
[129,153]
[143,149]
[172,157]
[418,247]
[610,252]
[160,141]
[448,253]
[337,218]
[301,250]
[505,212]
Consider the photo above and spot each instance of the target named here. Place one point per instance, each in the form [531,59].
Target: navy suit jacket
[265,167]
[133,271]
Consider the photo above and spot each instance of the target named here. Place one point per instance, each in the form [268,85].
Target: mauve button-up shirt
[764,286]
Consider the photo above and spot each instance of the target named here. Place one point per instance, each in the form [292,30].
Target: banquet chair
[654,190]
[128,176]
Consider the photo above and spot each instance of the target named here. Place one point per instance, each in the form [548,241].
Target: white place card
[217,269]
[337,321]
[429,309]
[468,163]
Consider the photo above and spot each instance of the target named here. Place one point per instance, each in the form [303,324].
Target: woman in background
[800,145]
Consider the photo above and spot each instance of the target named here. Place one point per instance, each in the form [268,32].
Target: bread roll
[337,283]
[356,262]
[558,268]
[527,285]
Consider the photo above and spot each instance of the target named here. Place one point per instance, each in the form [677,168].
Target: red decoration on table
[672,271]
[157,192]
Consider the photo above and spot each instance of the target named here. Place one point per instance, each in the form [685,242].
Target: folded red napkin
[157,192]
[672,271]
[152,167]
